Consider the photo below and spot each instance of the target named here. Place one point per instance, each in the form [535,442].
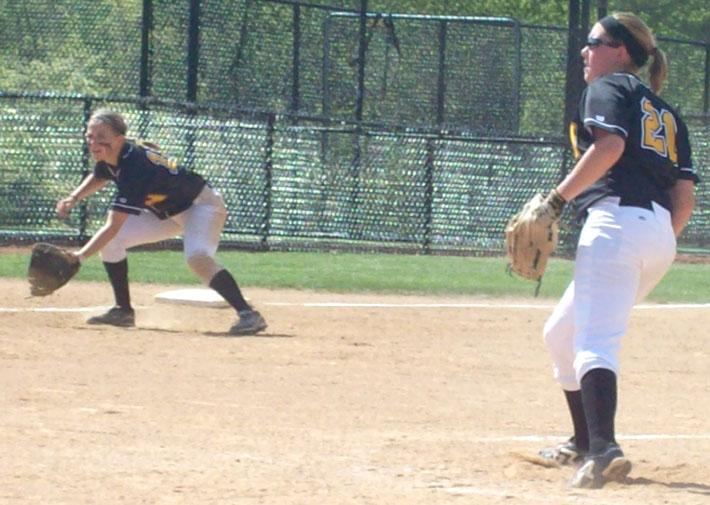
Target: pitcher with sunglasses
[633,187]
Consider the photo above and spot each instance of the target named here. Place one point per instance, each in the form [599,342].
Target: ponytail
[646,41]
[658,71]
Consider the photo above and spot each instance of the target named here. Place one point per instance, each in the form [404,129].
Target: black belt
[647,204]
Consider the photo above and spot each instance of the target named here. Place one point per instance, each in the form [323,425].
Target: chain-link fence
[322,127]
[287,183]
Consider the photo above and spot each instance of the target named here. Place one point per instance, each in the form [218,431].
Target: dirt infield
[332,405]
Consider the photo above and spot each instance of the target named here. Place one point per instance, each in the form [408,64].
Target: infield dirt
[331,405]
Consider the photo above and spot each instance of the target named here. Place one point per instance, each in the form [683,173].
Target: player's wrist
[555,194]
[556,202]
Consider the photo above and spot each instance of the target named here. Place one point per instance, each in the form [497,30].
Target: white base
[192,296]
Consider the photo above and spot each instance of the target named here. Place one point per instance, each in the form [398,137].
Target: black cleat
[116,316]
[250,323]
[597,470]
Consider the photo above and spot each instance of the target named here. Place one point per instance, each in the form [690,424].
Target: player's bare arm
[594,163]
[90,185]
[114,222]
[683,199]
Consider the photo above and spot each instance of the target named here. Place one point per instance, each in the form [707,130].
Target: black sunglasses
[593,42]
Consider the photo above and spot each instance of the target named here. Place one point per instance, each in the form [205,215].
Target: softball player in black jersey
[633,186]
[156,200]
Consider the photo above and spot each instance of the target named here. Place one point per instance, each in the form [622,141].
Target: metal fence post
[361,51]
[428,194]
[601,8]
[296,84]
[83,207]
[518,76]
[193,59]
[193,50]
[359,105]
[706,98]
[145,82]
[268,176]
[146,31]
[441,77]
[430,143]
[573,79]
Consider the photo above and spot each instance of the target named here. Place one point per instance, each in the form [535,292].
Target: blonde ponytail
[642,34]
[658,71]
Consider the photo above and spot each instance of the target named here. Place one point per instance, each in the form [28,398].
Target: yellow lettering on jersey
[161,160]
[154,198]
[573,140]
[670,127]
[658,131]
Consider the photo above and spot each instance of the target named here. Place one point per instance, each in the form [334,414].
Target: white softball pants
[623,252]
[200,225]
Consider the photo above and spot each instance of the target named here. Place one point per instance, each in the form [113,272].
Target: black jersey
[657,150]
[147,180]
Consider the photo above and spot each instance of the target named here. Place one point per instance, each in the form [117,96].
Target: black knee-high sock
[599,400]
[118,276]
[225,285]
[579,421]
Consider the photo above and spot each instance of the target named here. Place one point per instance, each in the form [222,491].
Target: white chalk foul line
[354,305]
[467,305]
[53,309]
[98,308]
[549,438]
[348,305]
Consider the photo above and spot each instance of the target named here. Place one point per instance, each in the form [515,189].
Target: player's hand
[80,257]
[65,205]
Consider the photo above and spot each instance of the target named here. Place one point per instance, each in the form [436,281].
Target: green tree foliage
[69,46]
[75,45]
[689,19]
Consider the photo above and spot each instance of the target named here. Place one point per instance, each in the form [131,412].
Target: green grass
[375,273]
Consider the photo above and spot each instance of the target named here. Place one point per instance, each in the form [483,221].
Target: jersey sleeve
[132,184]
[685,159]
[101,171]
[605,107]
[129,200]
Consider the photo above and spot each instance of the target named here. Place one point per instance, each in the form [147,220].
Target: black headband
[619,32]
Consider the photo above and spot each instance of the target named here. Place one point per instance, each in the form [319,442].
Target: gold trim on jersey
[573,140]
[152,198]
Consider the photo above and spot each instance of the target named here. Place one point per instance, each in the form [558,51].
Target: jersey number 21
[658,131]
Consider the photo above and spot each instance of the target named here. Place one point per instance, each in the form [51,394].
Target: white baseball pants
[200,225]
[623,252]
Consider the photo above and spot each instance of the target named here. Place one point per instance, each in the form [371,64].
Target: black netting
[64,47]
[542,84]
[168,69]
[460,73]
[477,183]
[698,231]
[41,160]
[483,70]
[687,70]
[442,155]
[281,180]
[246,53]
